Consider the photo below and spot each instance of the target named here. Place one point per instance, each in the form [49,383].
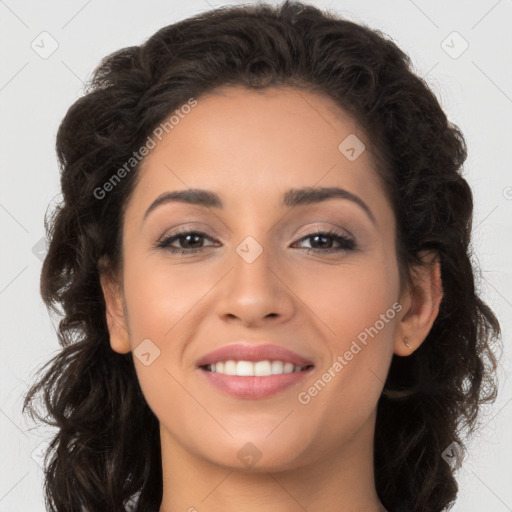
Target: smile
[254,369]
[243,379]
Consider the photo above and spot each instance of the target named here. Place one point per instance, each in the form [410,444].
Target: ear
[420,300]
[115,310]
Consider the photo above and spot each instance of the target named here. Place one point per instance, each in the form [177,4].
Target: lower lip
[254,387]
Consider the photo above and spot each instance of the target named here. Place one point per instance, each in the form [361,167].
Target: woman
[262,257]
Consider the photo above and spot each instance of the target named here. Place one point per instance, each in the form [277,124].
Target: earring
[408,345]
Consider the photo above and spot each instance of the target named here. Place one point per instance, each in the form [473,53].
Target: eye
[190,239]
[319,237]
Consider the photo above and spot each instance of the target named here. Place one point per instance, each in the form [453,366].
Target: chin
[256,454]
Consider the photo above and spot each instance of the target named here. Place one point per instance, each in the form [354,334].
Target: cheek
[159,298]
[350,298]
[163,301]
[159,295]
[357,318]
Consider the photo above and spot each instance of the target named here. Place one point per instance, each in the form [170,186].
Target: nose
[255,292]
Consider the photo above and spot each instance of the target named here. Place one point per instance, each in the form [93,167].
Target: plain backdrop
[49,49]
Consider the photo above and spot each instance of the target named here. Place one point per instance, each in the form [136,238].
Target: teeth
[250,369]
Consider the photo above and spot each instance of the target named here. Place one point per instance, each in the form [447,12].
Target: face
[258,271]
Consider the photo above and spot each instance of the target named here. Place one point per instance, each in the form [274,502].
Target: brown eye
[189,241]
[321,240]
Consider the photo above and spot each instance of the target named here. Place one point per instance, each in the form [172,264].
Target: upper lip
[251,352]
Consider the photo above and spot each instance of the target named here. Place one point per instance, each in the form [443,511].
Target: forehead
[232,120]
[251,145]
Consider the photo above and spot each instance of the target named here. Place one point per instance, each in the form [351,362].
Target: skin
[250,147]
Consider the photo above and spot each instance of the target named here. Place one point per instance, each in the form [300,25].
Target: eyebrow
[293,197]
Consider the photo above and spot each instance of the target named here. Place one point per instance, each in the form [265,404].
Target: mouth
[254,369]
[254,380]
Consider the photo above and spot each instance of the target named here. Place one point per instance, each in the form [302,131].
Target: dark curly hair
[100,458]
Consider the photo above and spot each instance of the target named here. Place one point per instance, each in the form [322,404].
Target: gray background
[474,87]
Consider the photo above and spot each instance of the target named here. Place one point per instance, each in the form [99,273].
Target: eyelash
[347,243]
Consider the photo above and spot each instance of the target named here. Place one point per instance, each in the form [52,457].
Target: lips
[254,388]
[250,352]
